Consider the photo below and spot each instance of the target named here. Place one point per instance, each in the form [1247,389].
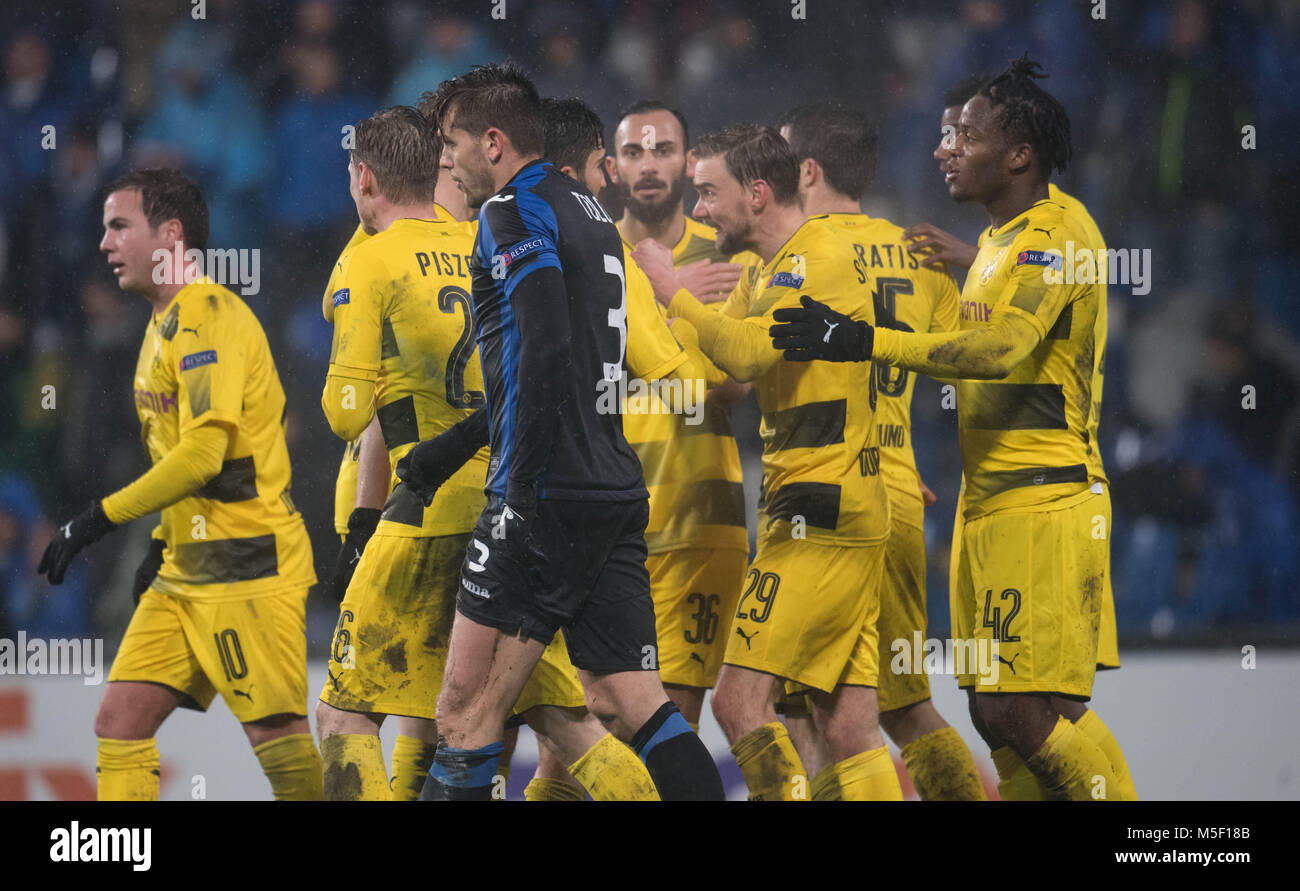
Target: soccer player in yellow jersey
[696,538]
[934,245]
[836,148]
[807,611]
[1035,543]
[224,611]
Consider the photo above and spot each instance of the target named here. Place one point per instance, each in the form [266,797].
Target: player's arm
[431,463]
[210,372]
[739,347]
[1023,312]
[373,477]
[348,399]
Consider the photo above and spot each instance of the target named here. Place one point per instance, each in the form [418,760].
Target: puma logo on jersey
[748,637]
[249,694]
[194,330]
[696,657]
[1047,232]
[830,327]
[1009,664]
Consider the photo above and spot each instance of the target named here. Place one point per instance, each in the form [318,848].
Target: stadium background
[251,100]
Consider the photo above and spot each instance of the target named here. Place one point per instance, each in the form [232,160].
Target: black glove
[815,331]
[361,525]
[86,528]
[149,567]
[514,528]
[430,463]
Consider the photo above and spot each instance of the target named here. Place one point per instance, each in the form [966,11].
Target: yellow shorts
[554,681]
[902,613]
[807,613]
[253,652]
[1033,581]
[390,645]
[1107,637]
[695,592]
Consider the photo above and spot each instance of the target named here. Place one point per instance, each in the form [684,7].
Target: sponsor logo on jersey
[342,296]
[1039,258]
[195,360]
[786,280]
[158,402]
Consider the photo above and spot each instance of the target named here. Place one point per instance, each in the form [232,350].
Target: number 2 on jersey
[449,298]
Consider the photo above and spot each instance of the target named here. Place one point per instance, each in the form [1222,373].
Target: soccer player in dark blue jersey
[561,542]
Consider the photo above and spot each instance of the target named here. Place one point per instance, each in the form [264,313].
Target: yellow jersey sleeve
[652,350]
[361,285]
[327,305]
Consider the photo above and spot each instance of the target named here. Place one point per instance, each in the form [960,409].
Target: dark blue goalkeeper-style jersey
[550,305]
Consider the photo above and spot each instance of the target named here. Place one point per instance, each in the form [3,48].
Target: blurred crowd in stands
[1201,415]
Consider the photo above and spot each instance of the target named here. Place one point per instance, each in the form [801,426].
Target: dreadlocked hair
[1030,114]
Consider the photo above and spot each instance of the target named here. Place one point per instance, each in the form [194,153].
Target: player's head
[742,172]
[1011,128]
[490,120]
[394,161]
[834,144]
[574,140]
[953,99]
[146,211]
[649,165]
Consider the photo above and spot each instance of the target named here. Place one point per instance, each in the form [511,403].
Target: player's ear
[1019,157]
[611,170]
[691,158]
[494,144]
[807,172]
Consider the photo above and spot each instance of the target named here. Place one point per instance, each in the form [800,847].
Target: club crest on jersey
[195,360]
[1039,258]
[786,280]
[342,296]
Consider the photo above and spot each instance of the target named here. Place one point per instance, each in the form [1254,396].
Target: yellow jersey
[821,457]
[907,297]
[692,471]
[403,320]
[1030,439]
[205,360]
[345,483]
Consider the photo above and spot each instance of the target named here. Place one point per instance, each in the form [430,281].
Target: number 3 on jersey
[617,317]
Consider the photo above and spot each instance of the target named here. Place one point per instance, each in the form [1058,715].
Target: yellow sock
[1016,782]
[127,770]
[826,785]
[771,766]
[412,759]
[1072,767]
[293,766]
[1093,727]
[545,789]
[869,776]
[942,768]
[610,771]
[354,768]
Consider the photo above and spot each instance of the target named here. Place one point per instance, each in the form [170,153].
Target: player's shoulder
[1076,213]
[818,240]
[205,310]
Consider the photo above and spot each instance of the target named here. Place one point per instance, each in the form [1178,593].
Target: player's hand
[935,246]
[514,528]
[361,525]
[428,465]
[728,393]
[815,331]
[656,261]
[709,282]
[86,528]
[148,569]
[928,496]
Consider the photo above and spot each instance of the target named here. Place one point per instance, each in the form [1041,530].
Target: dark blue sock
[678,762]
[462,774]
